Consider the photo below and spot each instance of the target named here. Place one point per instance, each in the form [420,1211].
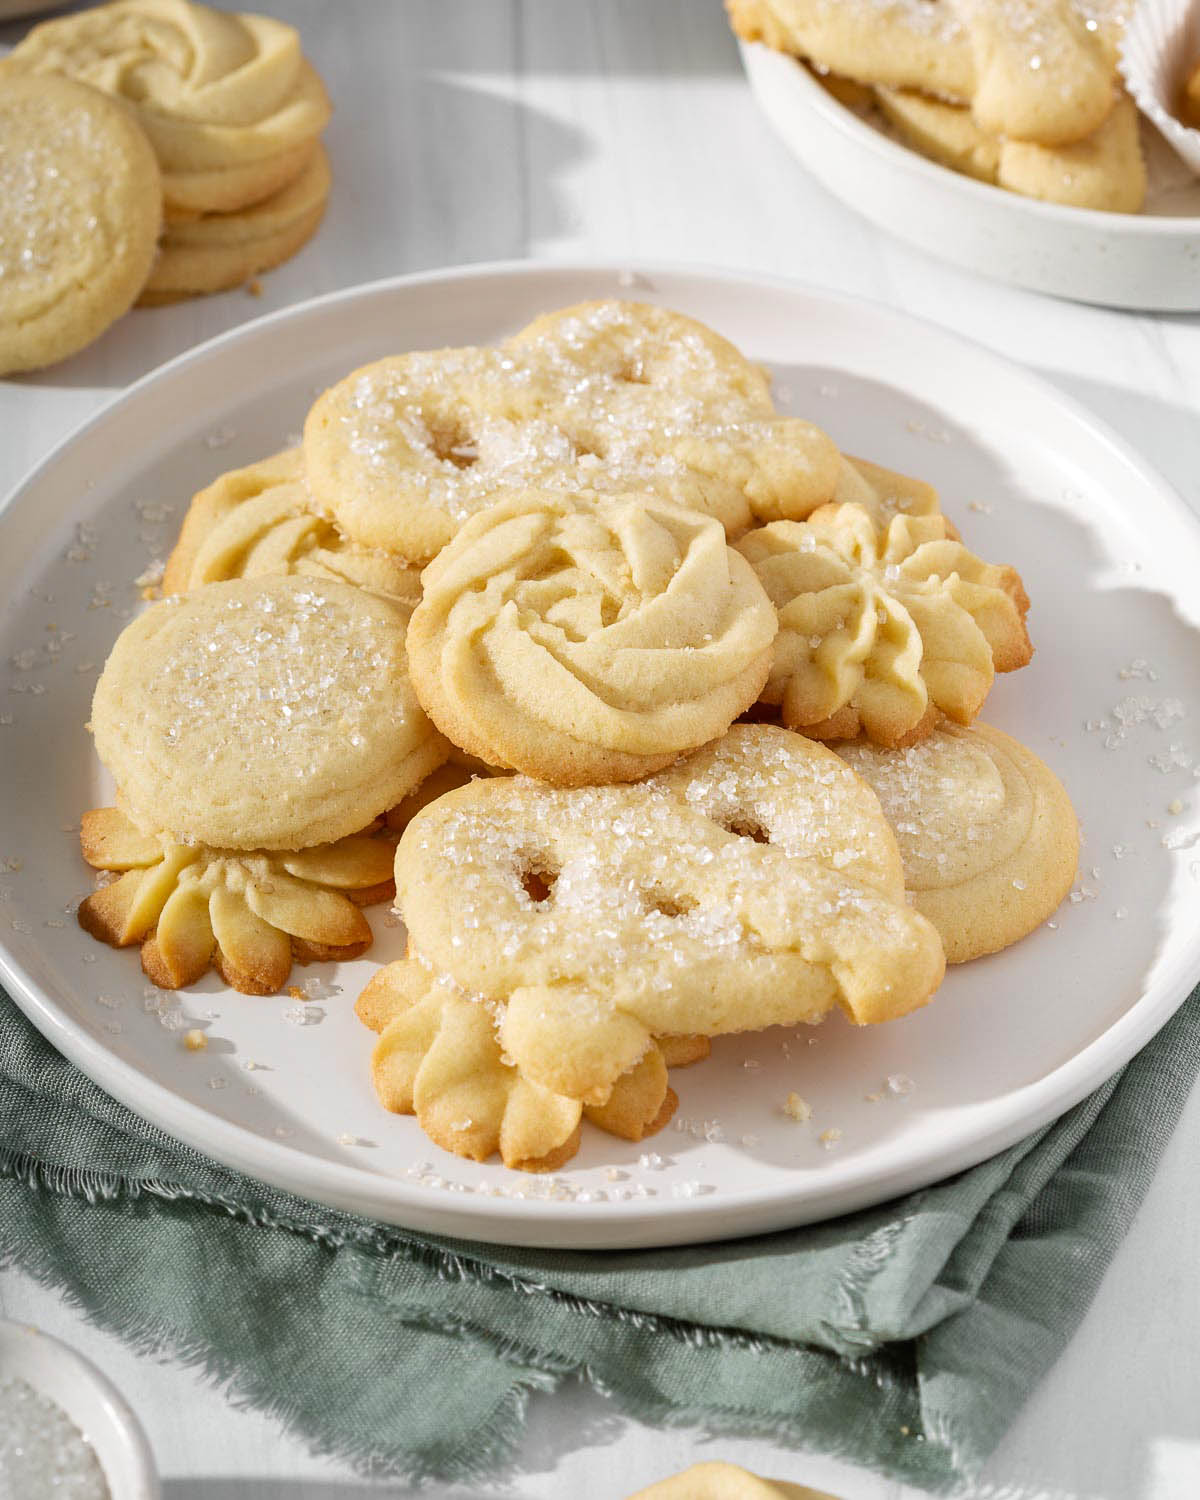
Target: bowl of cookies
[552,787]
[1003,138]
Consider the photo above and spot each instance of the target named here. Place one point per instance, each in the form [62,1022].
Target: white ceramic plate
[1147,260]
[1110,557]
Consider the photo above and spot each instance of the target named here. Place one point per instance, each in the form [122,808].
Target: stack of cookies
[665,705]
[1021,93]
[157,149]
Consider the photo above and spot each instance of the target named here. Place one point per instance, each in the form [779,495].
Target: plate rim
[1064,215]
[410,1207]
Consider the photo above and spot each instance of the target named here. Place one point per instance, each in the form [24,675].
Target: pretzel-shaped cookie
[607,915]
[438,1058]
[248,914]
[583,637]
[610,396]
[882,629]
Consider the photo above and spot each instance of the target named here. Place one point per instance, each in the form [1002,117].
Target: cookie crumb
[254,287]
[829,1138]
[195,1041]
[797,1109]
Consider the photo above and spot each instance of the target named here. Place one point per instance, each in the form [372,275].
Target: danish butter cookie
[654,391]
[914,44]
[248,914]
[718,1481]
[82,211]
[946,133]
[217,251]
[762,782]
[438,1058]
[262,520]
[613,396]
[987,833]
[604,916]
[1044,69]
[880,629]
[1105,171]
[883,493]
[263,713]
[214,91]
[580,637]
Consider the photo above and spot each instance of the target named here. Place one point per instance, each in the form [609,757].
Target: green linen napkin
[905,1337]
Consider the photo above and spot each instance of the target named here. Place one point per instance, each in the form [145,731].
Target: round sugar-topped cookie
[82,208]
[271,713]
[987,833]
[262,519]
[585,638]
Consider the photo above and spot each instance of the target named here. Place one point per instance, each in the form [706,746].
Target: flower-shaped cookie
[438,1058]
[261,520]
[603,916]
[880,629]
[248,914]
[581,637]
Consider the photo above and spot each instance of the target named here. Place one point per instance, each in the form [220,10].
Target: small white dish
[1161,43]
[92,1403]
[1149,260]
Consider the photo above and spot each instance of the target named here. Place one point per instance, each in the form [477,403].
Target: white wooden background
[470,130]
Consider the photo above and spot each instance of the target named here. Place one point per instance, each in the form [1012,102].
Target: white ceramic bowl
[1149,260]
[91,1401]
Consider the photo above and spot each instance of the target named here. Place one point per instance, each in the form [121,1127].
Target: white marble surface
[470,130]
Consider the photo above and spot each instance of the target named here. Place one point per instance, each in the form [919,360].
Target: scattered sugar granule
[217,1082]
[42,1452]
[614,1174]
[829,1138]
[651,1161]
[797,1109]
[900,1084]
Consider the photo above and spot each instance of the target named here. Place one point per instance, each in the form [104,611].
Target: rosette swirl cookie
[438,1058]
[583,638]
[881,630]
[264,713]
[247,913]
[987,833]
[262,520]
[229,103]
[213,252]
[602,917]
